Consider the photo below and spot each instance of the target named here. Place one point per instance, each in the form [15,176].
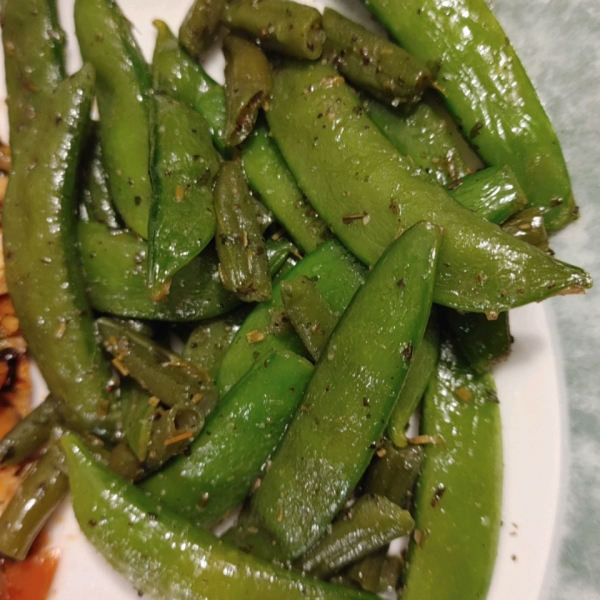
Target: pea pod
[529,225]
[144,543]
[200,25]
[356,180]
[478,67]
[350,397]
[124,82]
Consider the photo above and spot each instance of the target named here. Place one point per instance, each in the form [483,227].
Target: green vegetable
[198,30]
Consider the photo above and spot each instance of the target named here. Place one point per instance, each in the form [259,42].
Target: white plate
[532,404]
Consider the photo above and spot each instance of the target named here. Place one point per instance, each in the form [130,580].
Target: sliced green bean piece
[373,63]
[230,454]
[200,26]
[282,26]
[122,92]
[309,313]
[529,226]
[184,165]
[370,523]
[248,87]
[42,490]
[243,264]
[459,492]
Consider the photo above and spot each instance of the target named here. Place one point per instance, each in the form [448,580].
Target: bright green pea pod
[373,63]
[459,493]
[123,86]
[487,89]
[350,396]
[337,276]
[230,453]
[248,86]
[200,26]
[529,225]
[34,46]
[40,241]
[148,545]
[493,193]
[369,524]
[359,185]
[184,165]
[283,26]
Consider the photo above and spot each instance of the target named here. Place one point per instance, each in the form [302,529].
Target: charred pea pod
[144,543]
[369,524]
[122,92]
[243,264]
[44,487]
[184,165]
[309,313]
[40,234]
[34,46]
[337,275]
[512,129]
[229,455]
[373,63]
[349,397]
[529,226]
[356,181]
[281,26]
[248,87]
[115,265]
[459,492]
[200,26]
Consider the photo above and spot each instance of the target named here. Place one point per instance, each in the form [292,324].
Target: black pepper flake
[407,353]
[138,200]
[400,283]
[437,496]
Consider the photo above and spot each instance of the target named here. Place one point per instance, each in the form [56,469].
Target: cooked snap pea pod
[115,265]
[350,396]
[337,275]
[248,87]
[230,453]
[309,313]
[122,92]
[243,264]
[34,61]
[44,487]
[373,63]
[459,492]
[529,225]
[200,26]
[369,524]
[377,573]
[282,26]
[40,234]
[145,544]
[355,180]
[184,165]
[489,93]
[138,415]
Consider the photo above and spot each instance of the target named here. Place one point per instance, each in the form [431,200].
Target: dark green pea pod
[138,415]
[373,63]
[493,193]
[40,235]
[34,47]
[529,226]
[425,137]
[458,498]
[145,544]
[229,455]
[183,78]
[417,379]
[44,487]
[281,26]
[122,92]
[337,275]
[377,573]
[200,26]
[248,87]
[184,165]
[309,313]
[369,524]
[359,185]
[243,264]
[349,397]
[467,42]
[116,269]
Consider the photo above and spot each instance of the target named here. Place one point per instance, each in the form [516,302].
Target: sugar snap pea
[200,25]
[529,225]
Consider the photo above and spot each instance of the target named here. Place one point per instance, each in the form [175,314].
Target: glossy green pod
[145,544]
[122,92]
[529,225]
[200,26]
[487,89]
[359,185]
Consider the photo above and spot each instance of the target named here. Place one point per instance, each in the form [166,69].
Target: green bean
[529,226]
[200,25]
